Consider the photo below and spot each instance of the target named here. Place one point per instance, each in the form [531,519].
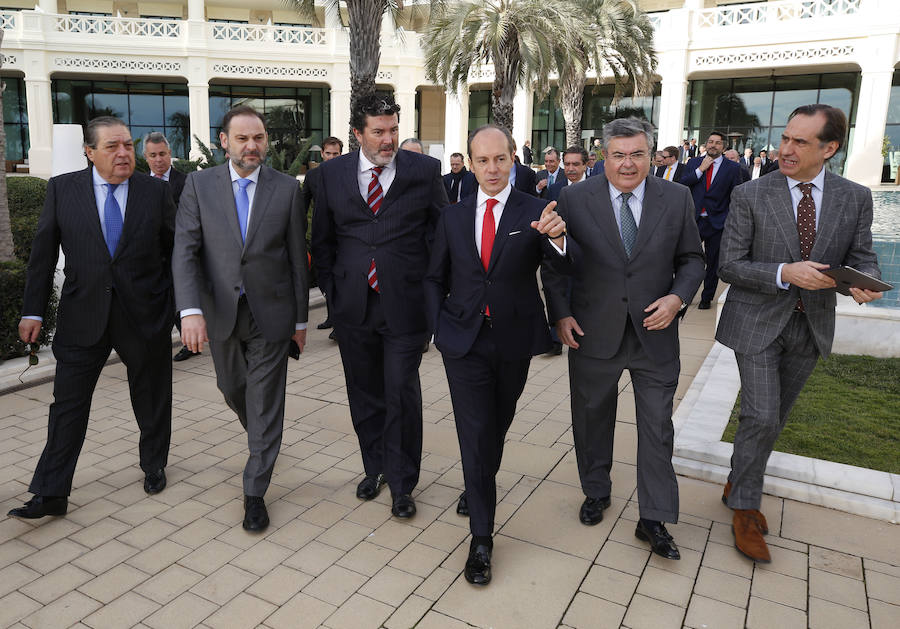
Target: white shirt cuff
[190,311]
[562,251]
[699,173]
[33,318]
[300,326]
[778,282]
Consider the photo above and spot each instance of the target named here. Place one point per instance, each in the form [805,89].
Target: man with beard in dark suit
[116,229]
[376,211]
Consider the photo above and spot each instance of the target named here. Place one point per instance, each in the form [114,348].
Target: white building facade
[177,66]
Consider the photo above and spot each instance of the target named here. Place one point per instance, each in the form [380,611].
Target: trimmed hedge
[26,200]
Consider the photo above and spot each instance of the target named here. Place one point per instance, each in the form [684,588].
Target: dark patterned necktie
[806,225]
[629,225]
[376,194]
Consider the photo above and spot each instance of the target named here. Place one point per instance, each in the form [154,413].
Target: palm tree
[365,46]
[7,247]
[620,39]
[519,37]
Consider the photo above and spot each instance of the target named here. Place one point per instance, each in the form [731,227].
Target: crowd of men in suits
[402,253]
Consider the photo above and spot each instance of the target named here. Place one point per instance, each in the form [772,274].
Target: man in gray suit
[240,274]
[783,230]
[641,262]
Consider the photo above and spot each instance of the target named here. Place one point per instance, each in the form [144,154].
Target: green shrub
[12,287]
[26,200]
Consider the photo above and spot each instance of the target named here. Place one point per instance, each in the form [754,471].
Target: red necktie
[488,232]
[709,175]
[376,194]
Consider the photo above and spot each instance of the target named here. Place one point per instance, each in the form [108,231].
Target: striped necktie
[376,195]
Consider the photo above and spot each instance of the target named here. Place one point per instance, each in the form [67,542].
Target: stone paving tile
[590,612]
[837,589]
[111,585]
[829,615]
[722,586]
[164,587]
[14,607]
[764,614]
[835,562]
[279,585]
[359,612]
[53,585]
[63,612]
[666,586]
[707,613]
[335,585]
[126,611]
[649,613]
[883,587]
[883,615]
[391,586]
[779,588]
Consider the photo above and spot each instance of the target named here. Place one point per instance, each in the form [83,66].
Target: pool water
[886,242]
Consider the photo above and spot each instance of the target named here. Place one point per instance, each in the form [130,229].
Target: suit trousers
[770,384]
[382,373]
[594,390]
[148,365]
[251,373]
[711,238]
[484,389]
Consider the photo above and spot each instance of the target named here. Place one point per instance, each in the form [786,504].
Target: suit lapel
[466,216]
[87,205]
[402,177]
[134,211]
[829,216]
[226,192]
[601,210]
[651,212]
[511,215]
[351,176]
[782,209]
[261,197]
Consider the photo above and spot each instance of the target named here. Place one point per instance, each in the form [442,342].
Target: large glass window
[144,107]
[892,133]
[15,119]
[292,113]
[479,109]
[752,111]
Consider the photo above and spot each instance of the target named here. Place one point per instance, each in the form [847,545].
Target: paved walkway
[181,559]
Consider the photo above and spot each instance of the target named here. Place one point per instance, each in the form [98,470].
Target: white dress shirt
[164,176]
[818,183]
[364,175]
[635,202]
[481,208]
[100,194]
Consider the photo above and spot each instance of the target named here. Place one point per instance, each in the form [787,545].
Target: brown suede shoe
[747,536]
[760,518]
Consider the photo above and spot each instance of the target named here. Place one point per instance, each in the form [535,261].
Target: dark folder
[846,277]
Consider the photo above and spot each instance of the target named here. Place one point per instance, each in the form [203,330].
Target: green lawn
[849,412]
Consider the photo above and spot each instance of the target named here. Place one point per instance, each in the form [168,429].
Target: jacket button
[374,220]
[109,289]
[243,262]
[625,299]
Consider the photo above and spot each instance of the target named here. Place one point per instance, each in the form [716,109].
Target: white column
[198,103]
[522,112]
[456,123]
[407,101]
[865,160]
[40,113]
[672,103]
[672,41]
[196,10]
[340,113]
[332,16]
[49,6]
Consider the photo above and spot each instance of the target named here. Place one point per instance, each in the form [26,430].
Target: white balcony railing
[258,33]
[8,20]
[122,26]
[779,11]
[305,35]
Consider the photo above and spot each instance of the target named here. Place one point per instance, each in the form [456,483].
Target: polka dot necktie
[806,225]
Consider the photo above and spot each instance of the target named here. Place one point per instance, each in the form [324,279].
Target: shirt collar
[502,197]
[254,176]
[100,181]
[365,164]
[818,181]
[637,193]
[583,177]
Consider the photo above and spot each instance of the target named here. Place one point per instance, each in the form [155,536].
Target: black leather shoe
[703,305]
[326,324]
[256,518]
[404,506]
[427,346]
[183,354]
[331,336]
[660,541]
[592,510]
[39,506]
[155,482]
[556,350]
[370,487]
[478,565]
[462,507]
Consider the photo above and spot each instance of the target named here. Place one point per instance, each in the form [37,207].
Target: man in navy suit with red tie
[482,300]
[711,179]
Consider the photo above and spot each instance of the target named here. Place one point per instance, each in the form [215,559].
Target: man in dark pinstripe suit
[376,210]
[783,230]
[116,229]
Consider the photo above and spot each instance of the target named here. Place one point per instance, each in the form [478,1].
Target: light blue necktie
[552,178]
[112,218]
[242,202]
[629,226]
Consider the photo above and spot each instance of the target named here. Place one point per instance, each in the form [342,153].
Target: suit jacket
[554,190]
[748,164]
[211,263]
[770,167]
[745,174]
[715,200]
[176,183]
[676,176]
[138,271]
[607,286]
[468,185]
[525,180]
[596,170]
[308,192]
[527,155]
[543,174]
[761,233]
[457,287]
[346,236]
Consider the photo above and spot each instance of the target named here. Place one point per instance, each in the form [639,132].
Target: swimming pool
[886,242]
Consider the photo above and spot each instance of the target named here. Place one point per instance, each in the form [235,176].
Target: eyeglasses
[637,156]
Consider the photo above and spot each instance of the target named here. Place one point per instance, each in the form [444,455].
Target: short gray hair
[628,128]
[156,138]
[413,141]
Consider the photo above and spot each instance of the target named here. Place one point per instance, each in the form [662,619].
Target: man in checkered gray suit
[782,231]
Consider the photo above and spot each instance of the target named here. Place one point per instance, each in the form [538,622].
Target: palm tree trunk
[365,52]
[7,248]
[506,78]
[571,101]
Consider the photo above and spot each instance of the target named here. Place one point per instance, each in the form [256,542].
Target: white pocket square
[514,233]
